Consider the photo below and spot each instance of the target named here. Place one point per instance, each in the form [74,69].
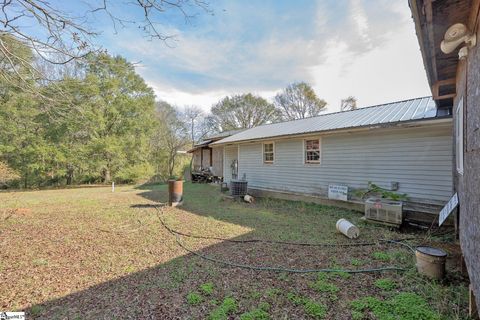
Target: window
[312,151]
[459,136]
[268,152]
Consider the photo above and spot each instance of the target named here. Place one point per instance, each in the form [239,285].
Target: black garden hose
[176,234]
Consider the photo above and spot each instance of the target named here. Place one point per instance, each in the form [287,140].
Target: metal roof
[401,111]
[224,134]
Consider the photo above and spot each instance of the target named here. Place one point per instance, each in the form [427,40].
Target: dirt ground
[89,253]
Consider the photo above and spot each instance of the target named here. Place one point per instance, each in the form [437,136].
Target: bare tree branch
[58,37]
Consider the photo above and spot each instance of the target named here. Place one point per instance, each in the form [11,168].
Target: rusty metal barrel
[431,262]
[175,192]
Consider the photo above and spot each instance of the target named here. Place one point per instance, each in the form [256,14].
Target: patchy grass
[222,312]
[381,256]
[207,288]
[89,253]
[194,298]
[405,305]
[311,308]
[356,262]
[260,313]
[386,284]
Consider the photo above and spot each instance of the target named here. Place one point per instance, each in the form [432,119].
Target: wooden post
[113,186]
[211,156]
[472,305]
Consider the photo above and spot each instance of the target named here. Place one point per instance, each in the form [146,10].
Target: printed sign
[12,315]
[337,192]
[452,204]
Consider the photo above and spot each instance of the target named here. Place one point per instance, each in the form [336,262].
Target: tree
[348,104]
[193,117]
[121,118]
[170,137]
[7,174]
[299,101]
[242,111]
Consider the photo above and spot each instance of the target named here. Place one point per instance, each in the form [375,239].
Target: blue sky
[349,47]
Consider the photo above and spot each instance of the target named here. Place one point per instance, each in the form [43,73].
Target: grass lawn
[89,253]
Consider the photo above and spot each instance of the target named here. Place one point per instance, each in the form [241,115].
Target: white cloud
[393,71]
[369,51]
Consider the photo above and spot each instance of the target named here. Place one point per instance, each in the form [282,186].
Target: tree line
[100,122]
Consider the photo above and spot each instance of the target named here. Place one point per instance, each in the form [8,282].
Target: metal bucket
[431,262]
[175,192]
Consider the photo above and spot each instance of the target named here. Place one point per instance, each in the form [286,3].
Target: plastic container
[347,228]
[431,262]
[175,192]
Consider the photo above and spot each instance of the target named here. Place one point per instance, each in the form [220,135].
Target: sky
[367,49]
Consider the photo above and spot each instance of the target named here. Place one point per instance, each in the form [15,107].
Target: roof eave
[423,121]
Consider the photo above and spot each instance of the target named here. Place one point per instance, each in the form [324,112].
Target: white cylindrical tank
[347,228]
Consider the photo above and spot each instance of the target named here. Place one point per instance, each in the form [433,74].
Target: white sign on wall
[337,192]
[452,204]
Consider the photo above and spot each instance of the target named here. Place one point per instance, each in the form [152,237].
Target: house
[404,146]
[206,158]
[454,78]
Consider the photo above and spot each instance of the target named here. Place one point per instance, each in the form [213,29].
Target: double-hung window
[268,152]
[312,151]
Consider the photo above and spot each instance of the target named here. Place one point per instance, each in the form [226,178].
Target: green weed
[356,315]
[405,306]
[273,292]
[260,313]
[36,310]
[314,309]
[295,299]
[194,298]
[385,284]
[356,262]
[228,307]
[207,288]
[382,256]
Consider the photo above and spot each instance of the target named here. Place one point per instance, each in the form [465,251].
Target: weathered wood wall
[468,184]
[217,167]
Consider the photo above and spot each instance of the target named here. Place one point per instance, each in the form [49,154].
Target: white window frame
[263,152]
[305,161]
[459,136]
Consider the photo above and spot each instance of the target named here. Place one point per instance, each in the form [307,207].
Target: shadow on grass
[160,292]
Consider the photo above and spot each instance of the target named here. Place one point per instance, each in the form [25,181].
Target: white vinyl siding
[418,158]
